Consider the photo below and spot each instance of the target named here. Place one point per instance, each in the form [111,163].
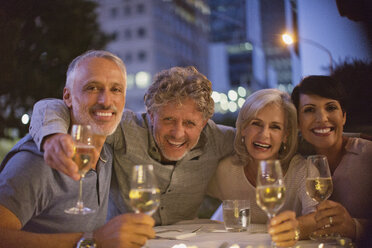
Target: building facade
[151,36]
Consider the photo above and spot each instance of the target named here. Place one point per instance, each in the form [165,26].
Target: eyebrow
[274,122]
[327,103]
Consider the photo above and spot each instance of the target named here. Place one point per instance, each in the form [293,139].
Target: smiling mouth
[261,145]
[176,144]
[104,114]
[323,130]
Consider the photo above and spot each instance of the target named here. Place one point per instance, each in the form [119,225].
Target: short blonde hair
[253,104]
[177,84]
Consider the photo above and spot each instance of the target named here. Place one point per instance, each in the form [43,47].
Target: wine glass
[318,181]
[144,194]
[82,136]
[270,189]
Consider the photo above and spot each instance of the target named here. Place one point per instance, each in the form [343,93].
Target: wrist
[359,231]
[87,241]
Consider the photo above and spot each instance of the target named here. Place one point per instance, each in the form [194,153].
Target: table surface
[212,234]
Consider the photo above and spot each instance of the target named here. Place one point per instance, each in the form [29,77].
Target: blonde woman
[266,128]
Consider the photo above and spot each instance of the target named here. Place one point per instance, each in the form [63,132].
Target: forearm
[48,117]
[306,225]
[17,238]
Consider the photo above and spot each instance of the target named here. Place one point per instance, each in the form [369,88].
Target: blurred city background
[237,44]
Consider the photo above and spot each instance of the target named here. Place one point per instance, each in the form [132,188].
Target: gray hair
[70,75]
[177,84]
[253,104]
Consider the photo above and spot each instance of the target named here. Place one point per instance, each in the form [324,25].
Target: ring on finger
[330,220]
[297,234]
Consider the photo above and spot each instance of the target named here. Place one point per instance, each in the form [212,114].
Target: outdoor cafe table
[212,234]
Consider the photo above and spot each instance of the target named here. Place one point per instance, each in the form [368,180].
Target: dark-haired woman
[320,103]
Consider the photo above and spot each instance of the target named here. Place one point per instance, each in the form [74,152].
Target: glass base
[77,210]
[325,237]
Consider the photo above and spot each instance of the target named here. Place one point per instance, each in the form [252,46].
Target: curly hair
[177,84]
[255,103]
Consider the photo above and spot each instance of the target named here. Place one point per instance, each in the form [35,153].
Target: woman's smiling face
[264,134]
[321,121]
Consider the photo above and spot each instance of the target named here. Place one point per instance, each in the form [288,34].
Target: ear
[344,118]
[151,117]
[205,122]
[67,97]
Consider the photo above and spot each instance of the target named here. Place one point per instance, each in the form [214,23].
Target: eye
[190,124]
[256,123]
[309,110]
[331,108]
[116,90]
[276,127]
[167,118]
[91,88]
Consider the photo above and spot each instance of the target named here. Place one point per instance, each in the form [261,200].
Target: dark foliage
[38,40]
[356,77]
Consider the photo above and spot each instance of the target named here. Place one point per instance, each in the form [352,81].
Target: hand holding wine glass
[270,189]
[318,181]
[82,136]
[144,194]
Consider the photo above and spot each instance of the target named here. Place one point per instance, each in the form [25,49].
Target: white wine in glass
[319,184]
[83,155]
[270,189]
[144,194]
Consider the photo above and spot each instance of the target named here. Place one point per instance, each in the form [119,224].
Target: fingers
[138,219]
[126,230]
[327,216]
[282,217]
[58,152]
[288,238]
[284,229]
[327,204]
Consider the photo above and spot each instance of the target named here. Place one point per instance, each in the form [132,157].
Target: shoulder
[218,127]
[26,147]
[25,165]
[218,131]
[133,119]
[297,163]
[228,165]
[359,146]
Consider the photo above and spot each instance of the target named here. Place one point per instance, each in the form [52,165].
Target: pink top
[352,179]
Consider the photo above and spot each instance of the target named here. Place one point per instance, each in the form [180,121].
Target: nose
[178,130]
[104,98]
[265,131]
[321,115]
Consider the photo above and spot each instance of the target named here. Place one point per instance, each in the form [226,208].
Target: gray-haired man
[33,196]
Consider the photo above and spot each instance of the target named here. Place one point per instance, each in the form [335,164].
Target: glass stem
[80,204]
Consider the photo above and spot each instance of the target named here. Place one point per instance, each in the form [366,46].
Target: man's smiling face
[177,128]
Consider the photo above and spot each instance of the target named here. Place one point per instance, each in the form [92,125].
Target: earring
[284,146]
[243,140]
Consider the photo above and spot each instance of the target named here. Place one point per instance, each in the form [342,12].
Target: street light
[288,40]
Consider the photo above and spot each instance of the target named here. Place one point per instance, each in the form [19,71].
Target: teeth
[176,143]
[261,145]
[323,130]
[104,114]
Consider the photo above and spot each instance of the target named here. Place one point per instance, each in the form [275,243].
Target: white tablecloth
[213,235]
